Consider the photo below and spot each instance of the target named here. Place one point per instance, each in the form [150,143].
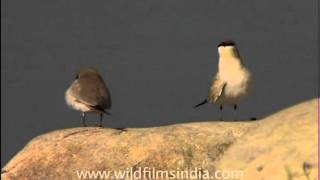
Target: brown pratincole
[232,82]
[89,94]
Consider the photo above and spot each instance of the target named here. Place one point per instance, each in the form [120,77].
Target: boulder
[281,146]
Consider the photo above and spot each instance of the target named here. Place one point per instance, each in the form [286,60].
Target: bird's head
[227,47]
[227,43]
[88,72]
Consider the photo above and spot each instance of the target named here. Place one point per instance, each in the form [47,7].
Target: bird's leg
[221,115]
[235,111]
[101,118]
[83,117]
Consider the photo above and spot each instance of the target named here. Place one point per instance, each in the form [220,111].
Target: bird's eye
[77,77]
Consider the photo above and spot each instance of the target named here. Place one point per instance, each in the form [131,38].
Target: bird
[88,93]
[232,82]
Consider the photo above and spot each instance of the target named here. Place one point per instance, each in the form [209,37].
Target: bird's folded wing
[95,95]
[216,89]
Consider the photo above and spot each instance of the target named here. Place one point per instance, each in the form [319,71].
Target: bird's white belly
[234,93]
[237,86]
[75,104]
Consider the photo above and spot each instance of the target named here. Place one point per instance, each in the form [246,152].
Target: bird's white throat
[228,52]
[229,58]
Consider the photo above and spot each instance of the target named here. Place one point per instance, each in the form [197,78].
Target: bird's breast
[237,80]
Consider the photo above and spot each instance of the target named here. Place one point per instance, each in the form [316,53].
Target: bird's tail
[101,110]
[107,113]
[202,103]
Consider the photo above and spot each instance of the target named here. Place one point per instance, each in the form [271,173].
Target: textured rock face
[282,146]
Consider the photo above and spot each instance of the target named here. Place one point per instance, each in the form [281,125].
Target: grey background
[157,57]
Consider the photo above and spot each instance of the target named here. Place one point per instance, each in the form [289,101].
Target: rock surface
[281,146]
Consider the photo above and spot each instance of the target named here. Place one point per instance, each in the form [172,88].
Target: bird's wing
[216,89]
[92,92]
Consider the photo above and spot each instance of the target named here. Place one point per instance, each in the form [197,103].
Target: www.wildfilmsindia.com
[152,173]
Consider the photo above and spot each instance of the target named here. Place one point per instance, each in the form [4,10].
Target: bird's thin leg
[221,115]
[83,117]
[101,118]
[235,111]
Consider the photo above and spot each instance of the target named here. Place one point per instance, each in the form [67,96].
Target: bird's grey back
[91,89]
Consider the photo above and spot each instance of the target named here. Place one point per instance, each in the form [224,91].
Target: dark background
[157,57]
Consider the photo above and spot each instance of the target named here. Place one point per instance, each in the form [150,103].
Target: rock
[281,146]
